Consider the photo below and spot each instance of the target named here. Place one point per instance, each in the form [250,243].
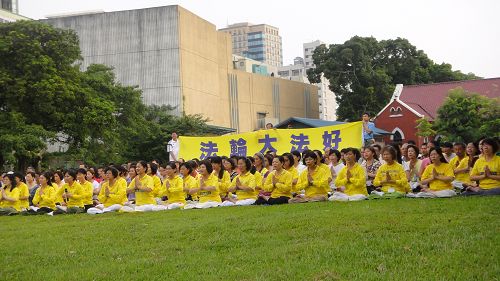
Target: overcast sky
[458,32]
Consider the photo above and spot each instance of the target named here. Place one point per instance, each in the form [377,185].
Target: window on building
[295,72]
[242,63]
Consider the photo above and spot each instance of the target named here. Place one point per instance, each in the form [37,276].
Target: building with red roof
[410,103]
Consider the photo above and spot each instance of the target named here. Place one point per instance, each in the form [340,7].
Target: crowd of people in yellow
[393,171]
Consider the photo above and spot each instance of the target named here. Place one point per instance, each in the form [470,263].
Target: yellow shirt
[493,165]
[204,195]
[24,191]
[357,183]
[283,187]
[224,183]
[157,190]
[397,174]
[175,192]
[47,199]
[117,193]
[76,191]
[320,182]
[259,182]
[247,180]
[190,183]
[144,197]
[444,169]
[88,192]
[14,194]
[464,163]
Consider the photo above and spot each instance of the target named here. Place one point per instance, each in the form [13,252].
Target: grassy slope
[399,239]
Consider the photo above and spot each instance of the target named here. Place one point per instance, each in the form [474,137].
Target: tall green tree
[363,72]
[467,116]
[424,128]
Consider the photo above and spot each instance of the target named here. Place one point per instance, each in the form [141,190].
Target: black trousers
[272,201]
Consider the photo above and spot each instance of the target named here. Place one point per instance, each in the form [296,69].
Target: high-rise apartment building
[260,42]
[9,11]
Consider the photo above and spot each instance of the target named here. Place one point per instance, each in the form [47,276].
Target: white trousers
[340,196]
[434,194]
[244,202]
[206,205]
[99,209]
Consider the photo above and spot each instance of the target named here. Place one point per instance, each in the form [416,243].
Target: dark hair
[392,151]
[48,176]
[114,171]
[33,174]
[188,167]
[398,152]
[377,146]
[248,163]
[336,152]
[121,170]
[83,171]
[320,155]
[218,160]
[417,151]
[412,142]
[172,165]
[231,162]
[447,144]
[289,156]
[343,150]
[355,151]
[71,173]
[476,147]
[154,168]
[143,163]
[296,153]
[308,154]
[208,166]
[59,173]
[493,143]
[440,152]
[463,145]
[424,144]
[269,158]
[251,159]
[20,176]
[375,156]
[12,179]
[365,113]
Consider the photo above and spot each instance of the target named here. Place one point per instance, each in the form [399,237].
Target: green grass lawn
[398,239]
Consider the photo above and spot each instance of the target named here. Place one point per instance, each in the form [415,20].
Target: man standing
[368,128]
[173,148]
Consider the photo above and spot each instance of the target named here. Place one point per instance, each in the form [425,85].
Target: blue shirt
[366,135]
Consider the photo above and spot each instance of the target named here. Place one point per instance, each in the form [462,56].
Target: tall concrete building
[260,42]
[9,11]
[180,59]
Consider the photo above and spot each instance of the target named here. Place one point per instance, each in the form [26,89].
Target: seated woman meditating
[391,181]
[243,185]
[351,181]
[279,183]
[113,194]
[143,187]
[206,189]
[44,200]
[173,189]
[486,170]
[313,180]
[437,177]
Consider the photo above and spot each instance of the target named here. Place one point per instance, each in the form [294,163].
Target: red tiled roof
[426,99]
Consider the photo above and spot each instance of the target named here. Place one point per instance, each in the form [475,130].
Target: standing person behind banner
[9,196]
[44,200]
[313,180]
[113,194]
[71,194]
[437,177]
[143,186]
[222,175]
[87,188]
[207,188]
[243,185]
[486,170]
[173,147]
[351,181]
[278,183]
[412,168]
[368,128]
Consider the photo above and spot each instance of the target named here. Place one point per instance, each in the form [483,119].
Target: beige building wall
[205,67]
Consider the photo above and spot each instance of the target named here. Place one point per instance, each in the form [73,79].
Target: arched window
[397,134]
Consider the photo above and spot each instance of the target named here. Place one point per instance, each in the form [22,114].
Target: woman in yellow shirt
[279,183]
[289,165]
[189,182]
[44,200]
[207,188]
[313,180]
[351,180]
[24,191]
[9,196]
[173,188]
[486,170]
[143,187]
[390,180]
[243,185]
[222,175]
[437,177]
[88,188]
[113,193]
[71,194]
